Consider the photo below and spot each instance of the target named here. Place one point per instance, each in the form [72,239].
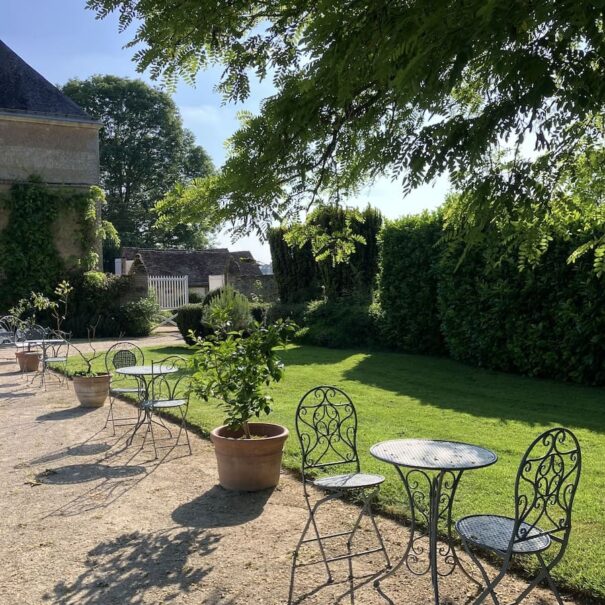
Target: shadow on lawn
[133,567]
[450,385]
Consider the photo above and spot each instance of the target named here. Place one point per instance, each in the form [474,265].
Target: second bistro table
[430,472]
[145,375]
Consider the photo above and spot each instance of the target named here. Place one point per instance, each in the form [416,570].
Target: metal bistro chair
[168,391]
[122,355]
[326,425]
[545,488]
[55,353]
[8,330]
[25,333]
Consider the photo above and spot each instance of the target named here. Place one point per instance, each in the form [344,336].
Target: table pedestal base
[431,496]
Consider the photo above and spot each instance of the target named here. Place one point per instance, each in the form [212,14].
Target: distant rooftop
[24,91]
[197,264]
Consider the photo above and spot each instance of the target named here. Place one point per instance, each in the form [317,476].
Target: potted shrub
[91,388]
[235,367]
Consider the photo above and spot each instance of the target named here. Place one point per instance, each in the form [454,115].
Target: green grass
[415,396]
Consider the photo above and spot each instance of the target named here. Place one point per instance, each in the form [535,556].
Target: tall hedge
[356,276]
[408,283]
[294,268]
[544,321]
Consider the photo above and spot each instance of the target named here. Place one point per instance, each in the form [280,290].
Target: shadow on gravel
[82,473]
[65,414]
[132,567]
[221,508]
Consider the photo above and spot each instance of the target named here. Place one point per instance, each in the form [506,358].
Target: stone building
[45,134]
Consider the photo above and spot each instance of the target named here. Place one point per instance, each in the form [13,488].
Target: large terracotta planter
[249,464]
[92,391]
[28,361]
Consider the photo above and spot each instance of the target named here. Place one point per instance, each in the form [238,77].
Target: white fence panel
[171,291]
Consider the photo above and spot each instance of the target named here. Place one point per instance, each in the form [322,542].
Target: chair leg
[376,530]
[310,522]
[110,416]
[184,427]
[150,420]
[544,574]
[489,585]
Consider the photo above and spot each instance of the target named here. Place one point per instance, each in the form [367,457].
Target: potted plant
[29,360]
[91,388]
[235,367]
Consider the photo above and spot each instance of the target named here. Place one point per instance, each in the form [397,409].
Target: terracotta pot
[92,391]
[249,464]
[28,361]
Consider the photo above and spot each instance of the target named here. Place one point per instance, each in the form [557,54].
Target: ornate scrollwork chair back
[546,486]
[170,386]
[326,425]
[121,355]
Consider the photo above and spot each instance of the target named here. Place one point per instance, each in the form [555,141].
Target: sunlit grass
[415,396]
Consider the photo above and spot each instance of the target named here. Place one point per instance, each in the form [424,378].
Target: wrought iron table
[436,466]
[145,376]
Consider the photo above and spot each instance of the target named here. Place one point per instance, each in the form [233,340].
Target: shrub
[189,318]
[260,311]
[228,306]
[136,318]
[340,324]
[195,298]
[408,283]
[293,311]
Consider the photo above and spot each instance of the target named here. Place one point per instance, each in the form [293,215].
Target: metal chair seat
[349,481]
[120,390]
[163,403]
[494,532]
[56,359]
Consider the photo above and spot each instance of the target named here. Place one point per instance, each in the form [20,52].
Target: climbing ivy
[29,259]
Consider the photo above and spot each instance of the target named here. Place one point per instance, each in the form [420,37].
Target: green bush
[260,311]
[96,302]
[544,321]
[195,298]
[189,318]
[340,324]
[293,311]
[228,306]
[408,283]
[136,317]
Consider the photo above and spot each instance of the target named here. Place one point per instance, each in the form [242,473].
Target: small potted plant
[235,367]
[91,388]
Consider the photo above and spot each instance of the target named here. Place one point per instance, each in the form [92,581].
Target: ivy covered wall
[45,231]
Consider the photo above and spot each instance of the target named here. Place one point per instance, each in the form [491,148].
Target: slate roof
[197,264]
[24,91]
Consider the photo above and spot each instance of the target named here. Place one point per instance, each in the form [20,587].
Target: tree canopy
[410,89]
[145,152]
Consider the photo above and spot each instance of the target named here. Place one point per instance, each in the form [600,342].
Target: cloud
[202,114]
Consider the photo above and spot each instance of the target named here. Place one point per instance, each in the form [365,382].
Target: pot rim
[103,375]
[283,433]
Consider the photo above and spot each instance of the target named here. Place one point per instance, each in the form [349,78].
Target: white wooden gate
[171,291]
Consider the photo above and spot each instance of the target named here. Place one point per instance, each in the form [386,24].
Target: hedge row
[547,321]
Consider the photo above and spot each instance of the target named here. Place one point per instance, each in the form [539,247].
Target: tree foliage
[412,89]
[145,152]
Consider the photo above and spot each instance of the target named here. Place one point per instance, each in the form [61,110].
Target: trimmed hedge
[408,283]
[545,321]
[189,318]
[340,324]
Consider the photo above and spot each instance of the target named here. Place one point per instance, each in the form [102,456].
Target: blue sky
[62,40]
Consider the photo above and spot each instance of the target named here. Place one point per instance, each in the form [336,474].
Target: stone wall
[61,152]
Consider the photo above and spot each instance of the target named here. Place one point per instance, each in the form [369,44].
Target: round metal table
[145,375]
[430,472]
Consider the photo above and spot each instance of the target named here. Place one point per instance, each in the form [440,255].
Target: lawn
[401,395]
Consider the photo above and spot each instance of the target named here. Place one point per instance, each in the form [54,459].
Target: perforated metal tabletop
[433,455]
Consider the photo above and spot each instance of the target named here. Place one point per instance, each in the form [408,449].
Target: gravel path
[89,521]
